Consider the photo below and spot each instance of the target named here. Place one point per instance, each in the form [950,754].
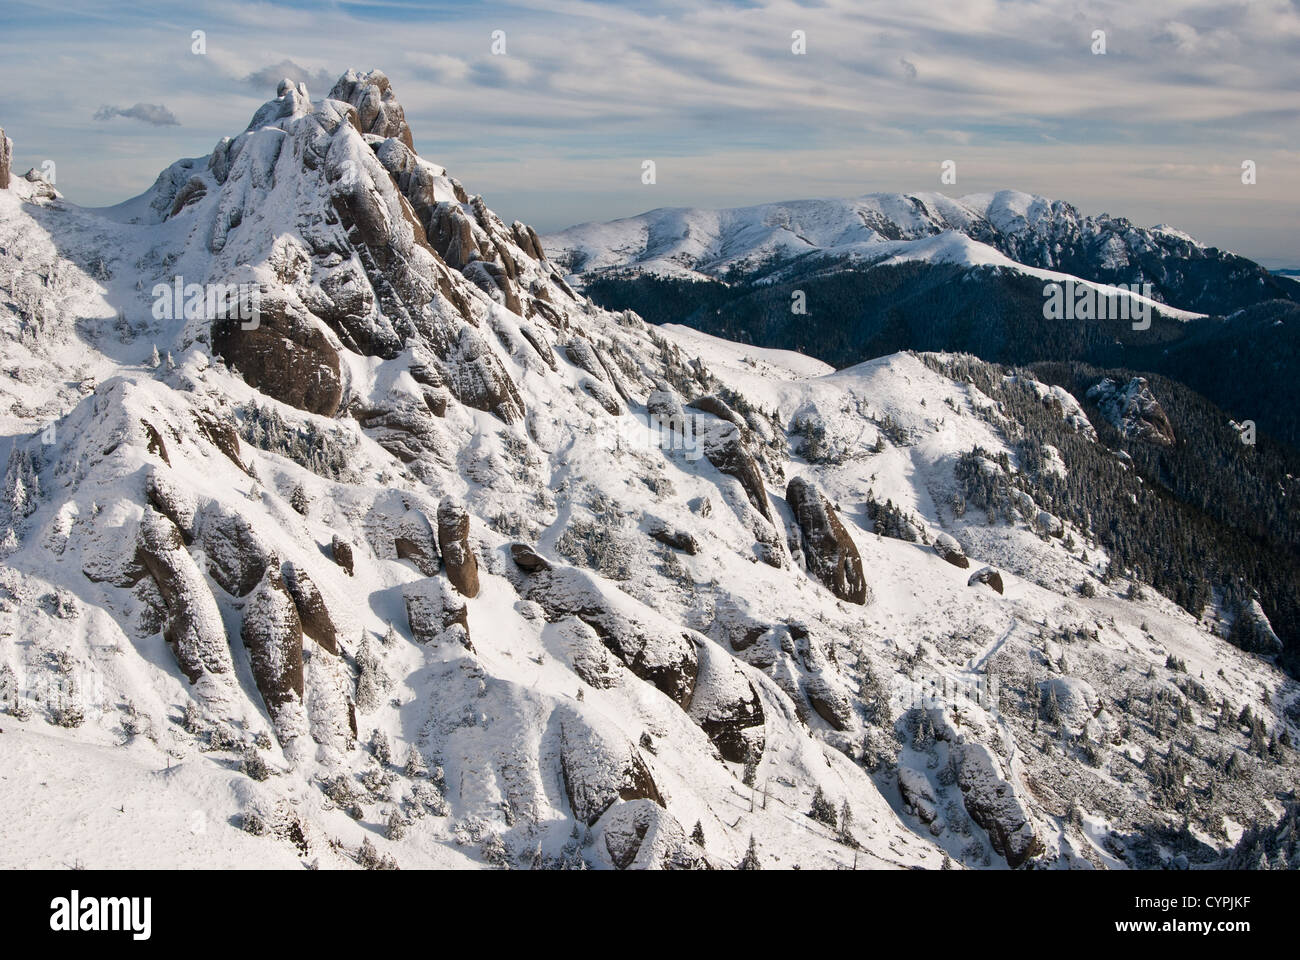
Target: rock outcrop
[194,628]
[434,612]
[1133,410]
[378,112]
[6,159]
[1253,632]
[285,355]
[312,612]
[457,552]
[993,804]
[987,576]
[725,449]
[599,769]
[829,552]
[948,548]
[640,835]
[272,633]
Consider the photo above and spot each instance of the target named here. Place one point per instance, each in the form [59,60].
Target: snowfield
[407,574]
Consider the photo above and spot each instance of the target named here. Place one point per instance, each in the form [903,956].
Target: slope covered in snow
[426,560]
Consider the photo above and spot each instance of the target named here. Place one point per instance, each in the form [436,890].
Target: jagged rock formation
[829,551]
[457,551]
[1133,409]
[993,804]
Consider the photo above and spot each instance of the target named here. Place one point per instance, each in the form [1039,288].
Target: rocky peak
[377,108]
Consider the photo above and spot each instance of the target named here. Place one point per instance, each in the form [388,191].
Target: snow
[543,707]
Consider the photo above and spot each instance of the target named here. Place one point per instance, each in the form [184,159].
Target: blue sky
[555,130]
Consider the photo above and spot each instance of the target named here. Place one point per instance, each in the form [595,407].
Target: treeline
[1207,513]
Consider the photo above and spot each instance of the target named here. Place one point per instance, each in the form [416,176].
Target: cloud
[716,94]
[152,113]
[319,82]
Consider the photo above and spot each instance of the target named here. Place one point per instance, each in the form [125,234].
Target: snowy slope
[407,573]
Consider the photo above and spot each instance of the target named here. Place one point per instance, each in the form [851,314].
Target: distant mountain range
[885,272]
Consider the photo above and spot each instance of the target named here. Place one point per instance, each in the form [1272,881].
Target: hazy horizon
[554,130]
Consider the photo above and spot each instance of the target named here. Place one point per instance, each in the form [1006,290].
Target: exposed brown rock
[948,548]
[719,408]
[829,552]
[6,159]
[598,771]
[378,111]
[194,628]
[528,559]
[341,551]
[986,575]
[432,610]
[993,804]
[285,356]
[237,556]
[312,612]
[272,633]
[726,451]
[674,537]
[663,657]
[156,445]
[457,553]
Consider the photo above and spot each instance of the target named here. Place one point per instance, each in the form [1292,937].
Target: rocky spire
[377,108]
[6,158]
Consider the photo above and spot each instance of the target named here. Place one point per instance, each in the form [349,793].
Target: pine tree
[415,765]
[823,811]
[697,834]
[380,748]
[395,826]
[751,861]
[154,360]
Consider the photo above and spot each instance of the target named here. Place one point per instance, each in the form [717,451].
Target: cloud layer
[555,129]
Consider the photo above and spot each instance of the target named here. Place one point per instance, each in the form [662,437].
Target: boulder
[993,804]
[986,575]
[528,559]
[829,552]
[457,552]
[194,629]
[948,548]
[272,633]
[725,450]
[312,612]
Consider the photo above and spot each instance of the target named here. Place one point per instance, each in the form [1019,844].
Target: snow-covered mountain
[339,529]
[1032,235]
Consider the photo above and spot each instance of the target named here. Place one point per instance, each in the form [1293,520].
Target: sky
[555,129]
